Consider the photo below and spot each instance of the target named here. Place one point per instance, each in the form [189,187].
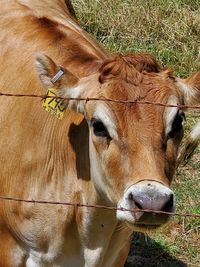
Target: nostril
[130,197]
[169,206]
[137,204]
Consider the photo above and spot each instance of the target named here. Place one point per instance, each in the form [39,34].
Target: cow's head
[133,147]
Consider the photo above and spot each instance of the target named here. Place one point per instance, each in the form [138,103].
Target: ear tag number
[54,106]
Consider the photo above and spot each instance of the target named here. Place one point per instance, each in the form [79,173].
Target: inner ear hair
[46,69]
[52,75]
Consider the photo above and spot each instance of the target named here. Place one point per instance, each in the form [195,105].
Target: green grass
[169,30]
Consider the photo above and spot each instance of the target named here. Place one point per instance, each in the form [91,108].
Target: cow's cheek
[171,154]
[113,161]
[108,158]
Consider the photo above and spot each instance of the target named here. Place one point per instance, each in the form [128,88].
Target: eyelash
[177,124]
[99,128]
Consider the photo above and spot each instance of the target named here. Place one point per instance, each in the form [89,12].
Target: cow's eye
[177,124]
[99,128]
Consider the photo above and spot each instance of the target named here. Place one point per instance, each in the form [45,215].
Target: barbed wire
[87,99]
[13,199]
[81,205]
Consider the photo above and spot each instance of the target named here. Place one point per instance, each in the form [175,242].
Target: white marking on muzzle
[148,194]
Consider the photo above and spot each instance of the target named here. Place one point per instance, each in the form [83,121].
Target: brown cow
[100,153]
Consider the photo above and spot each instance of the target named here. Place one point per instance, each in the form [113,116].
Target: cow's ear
[46,69]
[48,72]
[67,85]
[190,88]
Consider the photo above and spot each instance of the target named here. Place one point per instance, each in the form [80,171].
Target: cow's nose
[152,196]
[146,195]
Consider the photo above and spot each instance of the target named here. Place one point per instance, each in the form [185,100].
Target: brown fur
[44,158]
[128,67]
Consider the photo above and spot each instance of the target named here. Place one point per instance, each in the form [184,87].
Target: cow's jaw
[100,181]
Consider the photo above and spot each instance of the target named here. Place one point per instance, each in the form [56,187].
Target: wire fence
[87,99]
[81,205]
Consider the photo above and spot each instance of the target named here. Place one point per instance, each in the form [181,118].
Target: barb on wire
[87,99]
[81,205]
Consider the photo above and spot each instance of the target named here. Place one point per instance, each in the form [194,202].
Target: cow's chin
[145,229]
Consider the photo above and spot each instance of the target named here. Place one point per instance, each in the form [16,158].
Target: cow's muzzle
[146,195]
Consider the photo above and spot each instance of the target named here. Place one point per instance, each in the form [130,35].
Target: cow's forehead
[153,87]
[143,116]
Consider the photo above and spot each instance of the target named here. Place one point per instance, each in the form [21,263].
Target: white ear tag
[58,75]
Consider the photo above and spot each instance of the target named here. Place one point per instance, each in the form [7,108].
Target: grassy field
[170,30]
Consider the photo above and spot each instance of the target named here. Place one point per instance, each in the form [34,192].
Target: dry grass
[170,30]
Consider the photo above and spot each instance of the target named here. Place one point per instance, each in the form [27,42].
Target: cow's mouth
[149,221]
[143,221]
[152,218]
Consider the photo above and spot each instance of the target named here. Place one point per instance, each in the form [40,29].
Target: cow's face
[133,147]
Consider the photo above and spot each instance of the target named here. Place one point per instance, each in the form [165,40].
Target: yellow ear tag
[54,105]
